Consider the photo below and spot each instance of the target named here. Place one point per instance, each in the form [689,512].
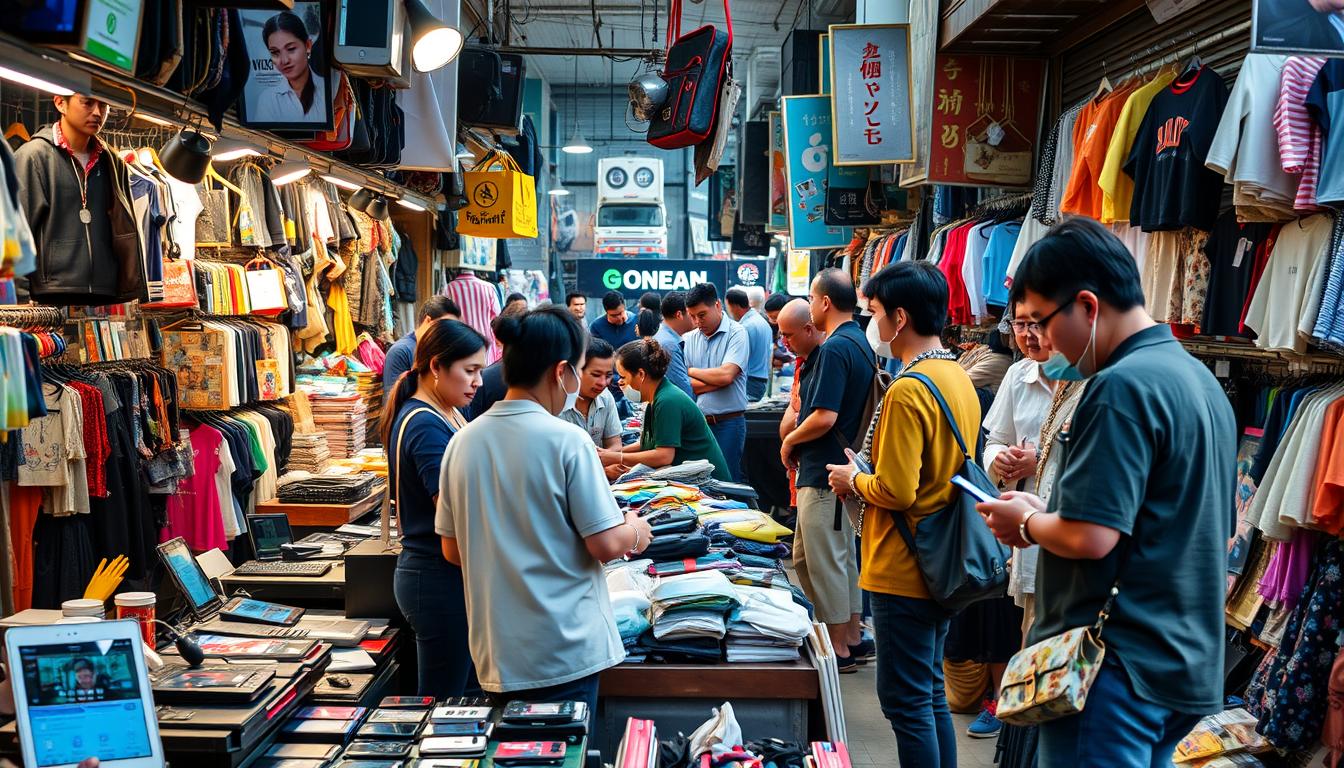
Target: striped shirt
[1299,136]
[479,303]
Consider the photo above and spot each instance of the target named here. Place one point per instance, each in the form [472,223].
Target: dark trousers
[430,594]
[584,689]
[731,436]
[910,634]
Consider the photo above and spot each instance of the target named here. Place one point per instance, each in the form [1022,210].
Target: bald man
[801,337]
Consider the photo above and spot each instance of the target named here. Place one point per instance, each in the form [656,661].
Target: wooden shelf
[777,680]
[323,515]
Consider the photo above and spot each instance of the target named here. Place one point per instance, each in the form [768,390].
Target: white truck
[631,218]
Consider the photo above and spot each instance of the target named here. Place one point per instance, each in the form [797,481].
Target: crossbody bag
[386,516]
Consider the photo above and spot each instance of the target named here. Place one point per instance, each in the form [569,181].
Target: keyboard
[282,568]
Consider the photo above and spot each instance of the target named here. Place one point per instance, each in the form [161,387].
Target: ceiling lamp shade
[433,43]
[576,145]
[186,156]
[361,199]
[228,150]
[288,172]
[378,208]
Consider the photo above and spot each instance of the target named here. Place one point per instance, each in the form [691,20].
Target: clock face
[616,177]
[644,177]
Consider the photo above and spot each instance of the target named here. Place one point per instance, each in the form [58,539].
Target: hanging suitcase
[696,70]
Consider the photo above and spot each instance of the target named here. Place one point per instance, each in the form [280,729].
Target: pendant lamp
[186,156]
[433,43]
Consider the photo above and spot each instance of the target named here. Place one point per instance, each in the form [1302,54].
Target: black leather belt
[722,417]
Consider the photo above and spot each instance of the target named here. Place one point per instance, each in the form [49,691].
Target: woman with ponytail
[421,416]
[675,431]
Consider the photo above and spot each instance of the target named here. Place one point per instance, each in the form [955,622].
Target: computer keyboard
[282,568]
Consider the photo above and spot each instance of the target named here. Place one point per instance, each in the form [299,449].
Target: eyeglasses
[1035,328]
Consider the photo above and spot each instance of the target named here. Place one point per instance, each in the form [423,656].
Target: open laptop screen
[268,533]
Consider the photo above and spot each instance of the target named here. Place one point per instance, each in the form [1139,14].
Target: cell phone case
[530,752]
[398,716]
[406,702]
[459,714]
[453,746]
[466,728]
[304,751]
[389,730]
[330,713]
[378,749]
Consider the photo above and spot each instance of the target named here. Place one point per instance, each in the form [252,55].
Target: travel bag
[696,70]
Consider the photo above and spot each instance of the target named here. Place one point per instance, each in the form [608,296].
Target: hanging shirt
[1172,187]
[1092,140]
[480,305]
[194,512]
[972,267]
[999,251]
[1117,188]
[1276,307]
[1231,249]
[1246,147]
[1325,103]
[1299,136]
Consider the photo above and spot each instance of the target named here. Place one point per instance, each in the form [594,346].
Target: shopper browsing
[801,337]
[914,455]
[676,324]
[1143,503]
[834,391]
[420,419]
[401,355]
[525,509]
[674,430]
[646,327]
[595,410]
[577,304]
[760,339]
[616,327]
[717,357]
[492,388]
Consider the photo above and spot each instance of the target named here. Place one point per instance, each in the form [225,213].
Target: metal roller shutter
[1219,30]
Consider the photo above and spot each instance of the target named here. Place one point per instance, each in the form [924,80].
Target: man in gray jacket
[77,198]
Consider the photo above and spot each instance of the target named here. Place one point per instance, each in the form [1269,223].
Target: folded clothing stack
[306,488]
[309,453]
[693,605]
[767,625]
[693,472]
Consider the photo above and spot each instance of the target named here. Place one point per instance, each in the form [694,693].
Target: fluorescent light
[227,150]
[340,182]
[152,120]
[405,203]
[576,145]
[465,155]
[434,43]
[289,171]
[559,192]
[14,76]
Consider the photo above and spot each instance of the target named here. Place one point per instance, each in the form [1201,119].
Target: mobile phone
[471,728]
[378,749]
[459,714]
[969,487]
[304,751]
[397,716]
[530,752]
[389,730]
[464,746]
[864,466]
[539,712]
[406,702]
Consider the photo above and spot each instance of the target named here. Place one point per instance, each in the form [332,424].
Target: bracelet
[1022,527]
[852,477]
[635,548]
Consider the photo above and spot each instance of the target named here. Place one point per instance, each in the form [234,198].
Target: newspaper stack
[344,421]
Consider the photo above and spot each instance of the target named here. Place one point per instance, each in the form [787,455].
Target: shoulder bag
[386,516]
[957,554]
[696,70]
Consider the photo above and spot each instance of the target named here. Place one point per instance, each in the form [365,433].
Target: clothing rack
[31,317]
[1003,205]
[1175,57]
[1288,364]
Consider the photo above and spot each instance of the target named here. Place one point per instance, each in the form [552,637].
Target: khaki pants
[824,557]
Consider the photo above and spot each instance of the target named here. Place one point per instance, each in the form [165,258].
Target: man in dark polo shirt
[1143,501]
[835,389]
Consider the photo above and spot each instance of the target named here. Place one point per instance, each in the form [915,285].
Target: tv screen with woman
[289,86]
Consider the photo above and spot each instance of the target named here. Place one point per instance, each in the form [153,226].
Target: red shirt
[954,256]
[95,147]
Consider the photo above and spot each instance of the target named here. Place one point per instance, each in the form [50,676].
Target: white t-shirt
[182,226]
[1246,146]
[1276,308]
[519,489]
[977,241]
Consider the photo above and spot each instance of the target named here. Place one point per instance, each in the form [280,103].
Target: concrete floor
[871,742]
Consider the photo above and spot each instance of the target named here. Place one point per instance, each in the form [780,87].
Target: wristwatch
[1022,527]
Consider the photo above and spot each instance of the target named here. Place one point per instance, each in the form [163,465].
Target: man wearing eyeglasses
[1137,524]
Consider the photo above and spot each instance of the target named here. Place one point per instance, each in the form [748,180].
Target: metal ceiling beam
[624,53]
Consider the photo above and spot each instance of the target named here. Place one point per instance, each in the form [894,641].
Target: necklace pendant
[85,215]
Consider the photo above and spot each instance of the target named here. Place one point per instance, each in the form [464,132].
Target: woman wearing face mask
[526,511]
[420,419]
[675,430]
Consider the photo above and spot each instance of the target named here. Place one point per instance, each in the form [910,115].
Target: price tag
[1243,245]
[1222,369]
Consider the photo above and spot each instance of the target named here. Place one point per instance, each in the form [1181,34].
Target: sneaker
[985,726]
[866,650]
[847,664]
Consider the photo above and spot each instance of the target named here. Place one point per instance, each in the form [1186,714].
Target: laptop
[269,533]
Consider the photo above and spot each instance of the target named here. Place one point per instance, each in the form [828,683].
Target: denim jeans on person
[584,689]
[731,436]
[1116,729]
[430,594]
[910,633]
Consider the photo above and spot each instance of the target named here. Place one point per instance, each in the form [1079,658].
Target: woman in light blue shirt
[524,507]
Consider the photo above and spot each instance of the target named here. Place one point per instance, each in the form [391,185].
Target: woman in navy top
[422,414]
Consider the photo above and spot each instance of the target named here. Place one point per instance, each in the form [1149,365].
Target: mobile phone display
[970,488]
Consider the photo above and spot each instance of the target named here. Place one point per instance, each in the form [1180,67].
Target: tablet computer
[187,573]
[81,690]
[260,612]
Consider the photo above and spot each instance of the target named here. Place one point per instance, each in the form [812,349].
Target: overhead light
[340,182]
[186,156]
[152,120]
[228,150]
[44,74]
[576,145]
[405,203]
[433,43]
[465,155]
[559,192]
[289,171]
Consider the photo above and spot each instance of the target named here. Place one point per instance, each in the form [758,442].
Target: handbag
[385,515]
[265,288]
[343,121]
[696,70]
[501,200]
[179,285]
[958,557]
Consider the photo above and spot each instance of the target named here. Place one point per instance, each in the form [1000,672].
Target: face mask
[571,398]
[874,335]
[1059,368]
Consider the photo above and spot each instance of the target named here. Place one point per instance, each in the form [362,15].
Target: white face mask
[874,335]
[571,398]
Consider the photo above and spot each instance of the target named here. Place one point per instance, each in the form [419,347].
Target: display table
[309,518]
[780,697]
[325,591]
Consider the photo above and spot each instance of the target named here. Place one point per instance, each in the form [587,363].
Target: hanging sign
[800,272]
[870,73]
[986,115]
[478,253]
[807,152]
[779,186]
[112,32]
[722,203]
[749,273]
[634,277]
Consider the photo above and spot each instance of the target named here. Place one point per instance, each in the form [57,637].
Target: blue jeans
[584,689]
[1116,729]
[910,634]
[430,594]
[731,436]
[756,388]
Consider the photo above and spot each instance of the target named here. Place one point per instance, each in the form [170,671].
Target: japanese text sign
[870,73]
[986,117]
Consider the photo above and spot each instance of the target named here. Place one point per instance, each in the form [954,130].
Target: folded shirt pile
[693,605]
[766,626]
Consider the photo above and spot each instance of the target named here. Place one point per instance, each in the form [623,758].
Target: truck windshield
[629,215]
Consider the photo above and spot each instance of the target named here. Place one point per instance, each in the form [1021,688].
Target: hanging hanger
[17,129]
[223,182]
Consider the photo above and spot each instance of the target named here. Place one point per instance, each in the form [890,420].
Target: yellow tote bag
[501,200]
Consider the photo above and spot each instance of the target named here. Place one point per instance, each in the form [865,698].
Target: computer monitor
[268,533]
[371,39]
[184,569]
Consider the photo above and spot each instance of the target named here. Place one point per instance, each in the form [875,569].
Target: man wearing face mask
[1141,510]
[835,389]
[526,511]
